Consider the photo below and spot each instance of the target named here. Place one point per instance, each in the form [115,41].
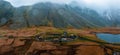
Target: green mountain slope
[49,14]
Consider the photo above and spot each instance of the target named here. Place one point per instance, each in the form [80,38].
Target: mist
[18,3]
[99,5]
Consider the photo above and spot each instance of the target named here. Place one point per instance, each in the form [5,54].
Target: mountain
[51,14]
[6,12]
[114,16]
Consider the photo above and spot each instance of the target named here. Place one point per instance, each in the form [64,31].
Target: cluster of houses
[57,37]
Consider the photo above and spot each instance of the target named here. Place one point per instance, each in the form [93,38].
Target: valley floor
[20,42]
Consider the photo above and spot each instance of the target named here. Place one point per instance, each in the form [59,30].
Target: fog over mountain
[100,5]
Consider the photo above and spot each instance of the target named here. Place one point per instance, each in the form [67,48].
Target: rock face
[27,47]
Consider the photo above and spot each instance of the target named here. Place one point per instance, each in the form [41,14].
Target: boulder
[18,42]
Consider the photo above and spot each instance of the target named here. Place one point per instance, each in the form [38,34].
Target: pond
[111,38]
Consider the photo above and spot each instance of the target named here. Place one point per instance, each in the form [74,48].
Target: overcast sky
[18,3]
[96,4]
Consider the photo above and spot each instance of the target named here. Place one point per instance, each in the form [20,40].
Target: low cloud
[100,5]
[18,3]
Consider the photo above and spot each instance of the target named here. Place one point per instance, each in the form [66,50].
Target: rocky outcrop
[27,47]
[8,45]
[40,46]
[90,50]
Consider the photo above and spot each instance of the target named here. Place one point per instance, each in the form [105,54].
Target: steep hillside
[6,12]
[51,14]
